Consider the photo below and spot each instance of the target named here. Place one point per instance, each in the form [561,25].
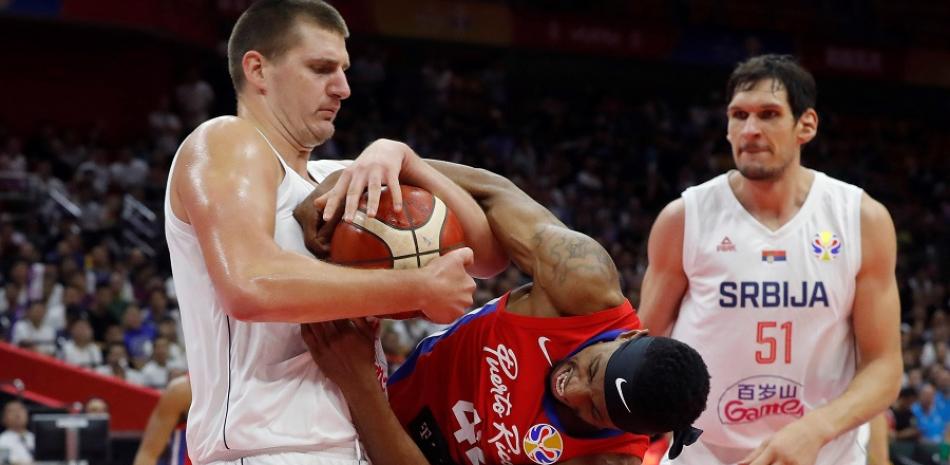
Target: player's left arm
[604,459]
[173,403]
[876,322]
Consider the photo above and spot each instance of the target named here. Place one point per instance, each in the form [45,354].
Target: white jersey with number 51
[770,310]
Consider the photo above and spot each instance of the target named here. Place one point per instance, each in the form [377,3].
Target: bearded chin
[754,172]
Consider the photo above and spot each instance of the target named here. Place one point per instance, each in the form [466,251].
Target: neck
[777,198]
[292,151]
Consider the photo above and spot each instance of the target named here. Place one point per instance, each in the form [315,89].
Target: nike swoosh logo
[541,343]
[619,382]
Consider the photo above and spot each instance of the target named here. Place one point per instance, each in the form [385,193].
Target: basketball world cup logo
[543,444]
[826,246]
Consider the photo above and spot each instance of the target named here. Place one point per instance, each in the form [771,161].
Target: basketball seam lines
[371,260]
[357,226]
[415,240]
[227,402]
[411,226]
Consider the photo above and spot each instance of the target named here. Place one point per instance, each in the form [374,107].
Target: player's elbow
[487,186]
[893,382]
[496,181]
[491,264]
[243,300]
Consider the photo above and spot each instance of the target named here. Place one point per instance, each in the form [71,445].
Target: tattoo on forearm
[570,254]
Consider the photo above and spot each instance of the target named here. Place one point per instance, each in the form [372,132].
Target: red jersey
[477,392]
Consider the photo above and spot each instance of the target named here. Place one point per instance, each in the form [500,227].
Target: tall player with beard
[242,273]
[783,278]
[554,371]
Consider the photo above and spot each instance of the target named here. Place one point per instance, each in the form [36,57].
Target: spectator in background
[16,439]
[11,156]
[904,435]
[929,418]
[10,302]
[117,364]
[121,292]
[100,315]
[50,291]
[95,171]
[32,332]
[942,396]
[74,304]
[165,127]
[194,97]
[138,333]
[96,405]
[156,371]
[81,350]
[99,269]
[18,297]
[171,330]
[127,170]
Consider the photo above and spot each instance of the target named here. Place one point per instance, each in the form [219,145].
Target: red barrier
[129,405]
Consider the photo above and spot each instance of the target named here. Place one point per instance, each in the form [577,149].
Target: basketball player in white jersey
[244,278]
[783,279]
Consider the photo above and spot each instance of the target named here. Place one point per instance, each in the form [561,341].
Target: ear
[634,333]
[807,126]
[253,66]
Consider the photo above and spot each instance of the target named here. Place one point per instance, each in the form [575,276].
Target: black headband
[623,369]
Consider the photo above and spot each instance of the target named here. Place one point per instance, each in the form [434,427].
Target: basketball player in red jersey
[166,427]
[554,371]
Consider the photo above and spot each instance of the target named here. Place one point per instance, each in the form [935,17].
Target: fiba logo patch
[543,444]
[826,246]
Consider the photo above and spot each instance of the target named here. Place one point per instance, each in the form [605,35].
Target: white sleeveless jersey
[255,388]
[770,311]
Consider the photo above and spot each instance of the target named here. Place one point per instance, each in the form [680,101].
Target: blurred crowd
[85,276]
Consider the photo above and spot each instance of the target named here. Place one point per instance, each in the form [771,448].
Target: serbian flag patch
[772,256]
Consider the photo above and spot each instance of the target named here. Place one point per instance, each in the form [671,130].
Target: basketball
[425,229]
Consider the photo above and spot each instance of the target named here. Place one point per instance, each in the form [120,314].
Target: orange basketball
[425,229]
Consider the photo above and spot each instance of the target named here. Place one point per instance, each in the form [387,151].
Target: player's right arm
[577,274]
[225,185]
[172,405]
[664,282]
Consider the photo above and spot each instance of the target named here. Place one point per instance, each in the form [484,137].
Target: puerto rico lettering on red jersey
[476,393]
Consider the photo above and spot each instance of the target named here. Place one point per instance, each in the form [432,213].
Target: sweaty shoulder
[224,137]
[218,152]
